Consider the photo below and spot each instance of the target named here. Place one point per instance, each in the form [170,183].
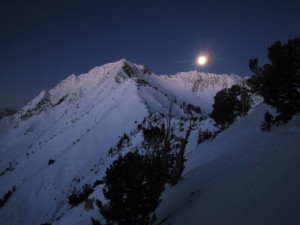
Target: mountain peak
[102,80]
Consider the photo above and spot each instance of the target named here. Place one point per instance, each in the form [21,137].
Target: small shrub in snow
[89,204]
[77,197]
[6,196]
[124,140]
[267,123]
[51,161]
[204,135]
[98,182]
[95,222]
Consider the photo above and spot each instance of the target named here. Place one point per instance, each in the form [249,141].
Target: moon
[201,60]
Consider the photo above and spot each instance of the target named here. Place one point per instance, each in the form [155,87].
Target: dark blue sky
[43,41]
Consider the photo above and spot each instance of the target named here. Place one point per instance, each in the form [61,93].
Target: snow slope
[244,176]
[76,123]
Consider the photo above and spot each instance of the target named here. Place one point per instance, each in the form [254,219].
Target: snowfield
[243,176]
[61,140]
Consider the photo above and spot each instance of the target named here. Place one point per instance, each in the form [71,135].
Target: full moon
[201,60]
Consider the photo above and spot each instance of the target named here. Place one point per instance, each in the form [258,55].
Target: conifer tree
[230,103]
[278,82]
[133,185]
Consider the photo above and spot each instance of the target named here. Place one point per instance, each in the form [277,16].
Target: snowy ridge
[191,85]
[201,81]
[199,88]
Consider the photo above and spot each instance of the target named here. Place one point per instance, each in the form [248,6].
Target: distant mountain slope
[61,139]
[4,112]
[204,86]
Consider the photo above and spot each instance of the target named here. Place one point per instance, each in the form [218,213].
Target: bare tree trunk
[179,161]
[243,98]
[166,143]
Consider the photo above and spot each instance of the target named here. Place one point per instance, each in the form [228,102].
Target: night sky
[44,41]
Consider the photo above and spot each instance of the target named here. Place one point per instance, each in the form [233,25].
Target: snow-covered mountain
[63,138]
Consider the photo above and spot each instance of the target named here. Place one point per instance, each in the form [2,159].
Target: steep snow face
[60,140]
[73,88]
[76,132]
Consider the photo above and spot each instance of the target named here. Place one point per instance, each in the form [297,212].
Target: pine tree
[153,138]
[133,185]
[230,103]
[279,81]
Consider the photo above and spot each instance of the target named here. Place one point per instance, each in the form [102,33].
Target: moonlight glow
[201,60]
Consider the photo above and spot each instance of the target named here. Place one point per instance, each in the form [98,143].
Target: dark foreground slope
[244,176]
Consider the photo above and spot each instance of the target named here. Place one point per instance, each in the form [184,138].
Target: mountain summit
[197,88]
